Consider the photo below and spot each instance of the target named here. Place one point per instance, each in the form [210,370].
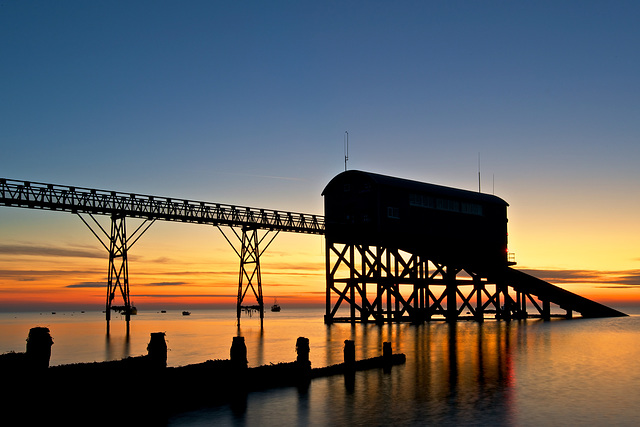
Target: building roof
[417,186]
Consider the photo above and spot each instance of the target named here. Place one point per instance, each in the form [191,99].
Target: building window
[393,212]
[471,208]
[421,201]
[445,204]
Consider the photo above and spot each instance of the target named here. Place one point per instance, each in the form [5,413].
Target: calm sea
[519,373]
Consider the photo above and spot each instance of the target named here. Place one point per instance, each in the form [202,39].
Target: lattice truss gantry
[380,284]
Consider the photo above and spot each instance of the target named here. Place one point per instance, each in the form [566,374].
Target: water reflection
[465,369]
[114,351]
[529,372]
[460,372]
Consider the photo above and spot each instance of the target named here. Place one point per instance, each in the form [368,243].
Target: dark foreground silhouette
[144,389]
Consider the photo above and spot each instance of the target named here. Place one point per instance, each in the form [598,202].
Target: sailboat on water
[275,306]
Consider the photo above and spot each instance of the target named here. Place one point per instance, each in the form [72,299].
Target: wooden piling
[349,354]
[238,353]
[157,350]
[387,353]
[302,348]
[39,344]
[303,364]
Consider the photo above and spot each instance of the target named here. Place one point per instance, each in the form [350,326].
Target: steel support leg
[479,288]
[451,290]
[118,245]
[250,271]
[250,276]
[118,276]
[328,318]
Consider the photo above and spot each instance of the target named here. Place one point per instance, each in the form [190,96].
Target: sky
[248,102]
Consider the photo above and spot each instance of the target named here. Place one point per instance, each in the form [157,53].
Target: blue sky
[247,102]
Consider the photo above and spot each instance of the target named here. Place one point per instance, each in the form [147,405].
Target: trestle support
[250,277]
[118,277]
[384,285]
[118,274]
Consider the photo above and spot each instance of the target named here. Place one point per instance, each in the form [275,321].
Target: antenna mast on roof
[346,149]
[479,191]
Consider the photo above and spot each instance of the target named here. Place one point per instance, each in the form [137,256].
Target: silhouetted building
[400,250]
[441,223]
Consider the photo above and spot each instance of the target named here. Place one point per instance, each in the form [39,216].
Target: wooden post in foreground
[39,345]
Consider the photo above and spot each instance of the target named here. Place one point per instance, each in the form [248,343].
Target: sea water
[520,373]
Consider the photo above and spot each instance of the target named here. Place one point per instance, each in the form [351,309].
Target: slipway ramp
[545,291]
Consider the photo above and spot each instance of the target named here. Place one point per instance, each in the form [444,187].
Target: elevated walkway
[78,200]
[120,206]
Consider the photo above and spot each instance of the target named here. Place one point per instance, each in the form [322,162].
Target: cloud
[104,284]
[313,292]
[166,284]
[619,287]
[28,275]
[632,279]
[184,296]
[605,278]
[275,285]
[311,266]
[188,273]
[88,285]
[51,251]
[163,260]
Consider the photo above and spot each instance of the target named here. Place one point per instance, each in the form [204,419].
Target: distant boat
[122,309]
[275,306]
[186,313]
[132,310]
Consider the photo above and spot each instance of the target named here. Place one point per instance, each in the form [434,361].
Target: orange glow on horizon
[186,266]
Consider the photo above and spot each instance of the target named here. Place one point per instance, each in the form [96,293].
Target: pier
[396,250]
